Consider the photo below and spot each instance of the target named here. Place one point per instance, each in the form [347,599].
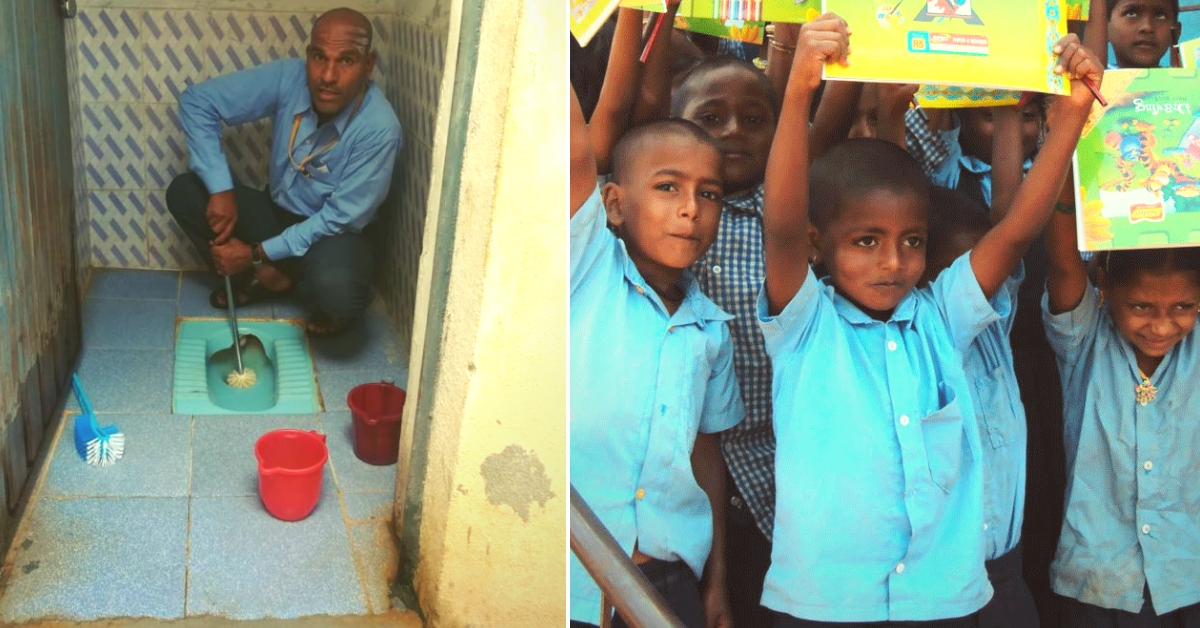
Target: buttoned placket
[907,422]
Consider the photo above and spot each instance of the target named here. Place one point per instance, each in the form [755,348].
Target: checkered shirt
[923,142]
[731,273]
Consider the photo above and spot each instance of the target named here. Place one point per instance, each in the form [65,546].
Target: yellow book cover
[795,11]
[954,97]
[1189,54]
[587,16]
[997,44]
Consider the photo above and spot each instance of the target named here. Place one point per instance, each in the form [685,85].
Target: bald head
[347,23]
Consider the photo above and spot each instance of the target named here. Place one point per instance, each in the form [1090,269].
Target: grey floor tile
[119,283]
[245,564]
[128,324]
[368,506]
[85,559]
[126,381]
[353,475]
[375,552]
[223,462]
[156,460]
[194,290]
[372,344]
[335,385]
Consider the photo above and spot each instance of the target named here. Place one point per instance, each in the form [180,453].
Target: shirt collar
[902,315]
[343,117]
[695,306]
[746,202]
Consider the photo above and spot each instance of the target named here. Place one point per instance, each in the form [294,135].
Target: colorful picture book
[1137,165]
[737,30]
[1189,54]
[1076,9]
[794,11]
[997,44]
[587,16]
[954,96]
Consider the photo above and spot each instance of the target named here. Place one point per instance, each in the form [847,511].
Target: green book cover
[1137,165]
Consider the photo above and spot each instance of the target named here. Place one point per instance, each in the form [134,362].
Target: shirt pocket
[997,414]
[317,186]
[944,439]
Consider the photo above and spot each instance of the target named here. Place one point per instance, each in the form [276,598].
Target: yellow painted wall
[493,517]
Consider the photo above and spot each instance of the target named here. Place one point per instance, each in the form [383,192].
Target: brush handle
[85,405]
[233,325]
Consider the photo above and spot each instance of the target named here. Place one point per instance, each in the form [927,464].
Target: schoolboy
[1140,32]
[651,369]
[879,494]
[736,104]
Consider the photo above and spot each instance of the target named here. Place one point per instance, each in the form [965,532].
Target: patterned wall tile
[109,56]
[167,246]
[165,147]
[248,149]
[118,226]
[114,140]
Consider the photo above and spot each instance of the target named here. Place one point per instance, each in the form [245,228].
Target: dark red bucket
[290,466]
[376,410]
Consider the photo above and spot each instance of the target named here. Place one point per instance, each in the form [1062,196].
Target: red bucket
[376,410]
[290,466]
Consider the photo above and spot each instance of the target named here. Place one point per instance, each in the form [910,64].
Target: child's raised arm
[1001,248]
[894,100]
[785,188]
[1007,159]
[1066,278]
[654,95]
[834,117]
[1095,34]
[583,163]
[622,81]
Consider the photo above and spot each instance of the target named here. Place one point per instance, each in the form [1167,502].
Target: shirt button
[671,328]
[1145,528]
[716,269]
[891,345]
[904,419]
[900,568]
[985,526]
[639,290]
[641,492]
[1148,465]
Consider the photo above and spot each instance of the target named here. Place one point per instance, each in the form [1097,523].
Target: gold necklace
[1144,391]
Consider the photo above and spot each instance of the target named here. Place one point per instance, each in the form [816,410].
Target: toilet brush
[242,377]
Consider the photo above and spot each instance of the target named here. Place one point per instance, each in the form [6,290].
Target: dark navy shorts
[1012,603]
[677,585]
[1078,614]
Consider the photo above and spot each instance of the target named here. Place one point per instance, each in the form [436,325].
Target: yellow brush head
[245,379]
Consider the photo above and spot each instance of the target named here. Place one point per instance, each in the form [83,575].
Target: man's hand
[232,257]
[222,215]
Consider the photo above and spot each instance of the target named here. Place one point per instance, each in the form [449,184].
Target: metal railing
[622,582]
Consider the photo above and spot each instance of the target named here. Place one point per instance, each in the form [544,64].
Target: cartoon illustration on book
[958,9]
[1139,163]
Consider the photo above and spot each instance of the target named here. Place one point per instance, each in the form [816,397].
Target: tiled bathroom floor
[175,528]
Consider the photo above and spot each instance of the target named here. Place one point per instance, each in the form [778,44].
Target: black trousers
[677,585]
[332,278]
[747,558]
[1012,604]
[783,620]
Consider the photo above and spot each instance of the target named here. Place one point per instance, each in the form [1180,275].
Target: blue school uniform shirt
[941,156]
[1002,431]
[643,383]
[344,185]
[879,505]
[731,274]
[1133,471]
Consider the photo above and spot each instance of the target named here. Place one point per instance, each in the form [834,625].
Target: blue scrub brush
[97,445]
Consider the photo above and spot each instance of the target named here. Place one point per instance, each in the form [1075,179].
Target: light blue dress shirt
[1002,430]
[345,185]
[643,383]
[878,468]
[948,172]
[1133,471]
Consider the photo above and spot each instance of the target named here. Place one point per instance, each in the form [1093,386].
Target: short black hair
[1174,7]
[952,212]
[1124,267]
[636,139]
[858,166]
[687,86]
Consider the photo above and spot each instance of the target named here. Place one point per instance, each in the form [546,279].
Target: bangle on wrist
[782,48]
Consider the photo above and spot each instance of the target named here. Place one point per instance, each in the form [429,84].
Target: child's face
[1141,31]
[732,105]
[668,207]
[978,130]
[1155,312]
[875,249]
